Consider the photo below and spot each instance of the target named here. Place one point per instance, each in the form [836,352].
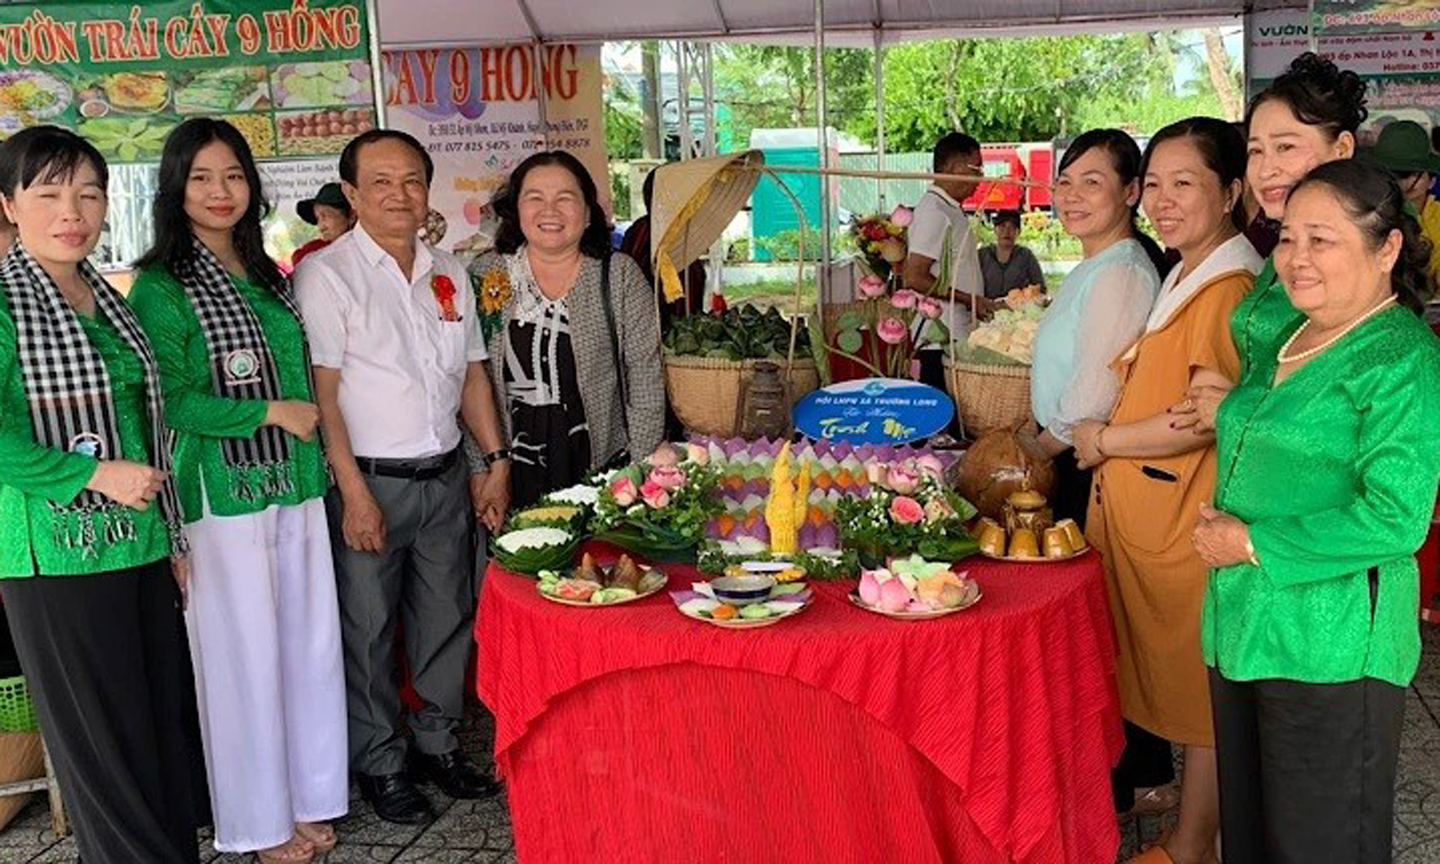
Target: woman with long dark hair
[1327,478]
[574,332]
[90,518]
[1100,309]
[1151,478]
[262,612]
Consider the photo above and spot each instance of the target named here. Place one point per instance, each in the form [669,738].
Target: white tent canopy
[847,22]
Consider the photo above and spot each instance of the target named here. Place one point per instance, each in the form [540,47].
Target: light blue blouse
[1099,312]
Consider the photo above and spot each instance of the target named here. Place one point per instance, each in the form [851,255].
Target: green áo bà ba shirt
[1335,471]
[32,476]
[200,418]
[1262,322]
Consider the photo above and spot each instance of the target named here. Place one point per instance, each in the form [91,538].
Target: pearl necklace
[1285,357]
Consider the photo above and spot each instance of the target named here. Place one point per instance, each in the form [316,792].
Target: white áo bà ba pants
[264,631]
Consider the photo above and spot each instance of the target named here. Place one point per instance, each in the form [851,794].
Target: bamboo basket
[988,396]
[705,392]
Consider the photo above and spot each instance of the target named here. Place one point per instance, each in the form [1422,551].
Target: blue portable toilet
[771,211]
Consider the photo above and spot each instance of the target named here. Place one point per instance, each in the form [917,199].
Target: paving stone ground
[471,831]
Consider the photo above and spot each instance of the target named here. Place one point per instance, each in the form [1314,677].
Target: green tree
[772,86]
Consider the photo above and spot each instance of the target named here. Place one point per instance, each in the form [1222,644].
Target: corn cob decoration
[788,505]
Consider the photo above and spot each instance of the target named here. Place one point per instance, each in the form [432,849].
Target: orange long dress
[1141,522]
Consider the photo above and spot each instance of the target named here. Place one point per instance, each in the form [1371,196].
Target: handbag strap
[614,342]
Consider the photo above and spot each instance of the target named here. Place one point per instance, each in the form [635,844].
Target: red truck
[1029,161]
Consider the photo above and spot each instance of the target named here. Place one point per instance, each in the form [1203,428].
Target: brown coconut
[995,466]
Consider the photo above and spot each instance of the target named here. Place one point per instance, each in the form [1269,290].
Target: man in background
[938,216]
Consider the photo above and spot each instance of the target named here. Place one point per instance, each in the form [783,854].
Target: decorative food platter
[1029,559]
[785,600]
[972,596]
[651,581]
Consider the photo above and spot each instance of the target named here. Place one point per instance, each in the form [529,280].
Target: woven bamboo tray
[988,396]
[705,392]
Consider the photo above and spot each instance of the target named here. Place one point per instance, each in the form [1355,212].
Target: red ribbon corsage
[444,291]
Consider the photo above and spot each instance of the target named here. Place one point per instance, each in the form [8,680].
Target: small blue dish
[742,590]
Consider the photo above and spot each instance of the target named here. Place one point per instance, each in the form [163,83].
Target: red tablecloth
[633,733]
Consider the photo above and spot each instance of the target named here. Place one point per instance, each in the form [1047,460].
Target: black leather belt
[408,469]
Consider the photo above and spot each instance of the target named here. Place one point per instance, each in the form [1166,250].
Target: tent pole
[377,64]
[682,100]
[880,113]
[537,52]
[822,269]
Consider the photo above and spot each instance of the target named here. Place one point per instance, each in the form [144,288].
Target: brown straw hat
[694,202]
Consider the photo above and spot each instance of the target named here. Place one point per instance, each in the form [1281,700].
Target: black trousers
[106,660]
[1071,497]
[1307,771]
[1147,761]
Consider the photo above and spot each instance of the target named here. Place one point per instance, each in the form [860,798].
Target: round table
[632,733]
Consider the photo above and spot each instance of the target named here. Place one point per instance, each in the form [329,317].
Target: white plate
[738,623]
[972,596]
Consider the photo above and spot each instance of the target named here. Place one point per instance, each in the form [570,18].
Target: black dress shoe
[454,774]
[395,798]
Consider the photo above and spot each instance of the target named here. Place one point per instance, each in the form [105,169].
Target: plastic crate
[17,710]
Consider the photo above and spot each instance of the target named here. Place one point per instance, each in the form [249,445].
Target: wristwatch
[494,456]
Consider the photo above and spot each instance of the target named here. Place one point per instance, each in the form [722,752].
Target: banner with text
[1336,17]
[1401,69]
[293,76]
[477,110]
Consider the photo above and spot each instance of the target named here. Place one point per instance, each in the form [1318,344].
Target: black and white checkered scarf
[71,404]
[241,367]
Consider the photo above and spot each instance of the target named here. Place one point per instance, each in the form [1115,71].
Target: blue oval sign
[874,411]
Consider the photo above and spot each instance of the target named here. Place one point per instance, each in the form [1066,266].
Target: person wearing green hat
[330,212]
[1403,149]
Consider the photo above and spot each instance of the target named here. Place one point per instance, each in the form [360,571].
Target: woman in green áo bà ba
[1305,118]
[1327,478]
[88,516]
[263,617]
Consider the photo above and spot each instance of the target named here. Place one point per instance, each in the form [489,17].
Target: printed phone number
[469,146]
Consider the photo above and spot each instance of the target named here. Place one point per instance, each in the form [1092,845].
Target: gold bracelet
[1100,441]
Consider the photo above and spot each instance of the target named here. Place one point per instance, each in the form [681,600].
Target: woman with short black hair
[574,332]
[90,518]
[1005,265]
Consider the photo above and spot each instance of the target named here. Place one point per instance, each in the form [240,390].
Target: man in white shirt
[938,215]
[398,360]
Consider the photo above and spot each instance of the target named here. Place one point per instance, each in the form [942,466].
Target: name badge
[88,444]
[242,367]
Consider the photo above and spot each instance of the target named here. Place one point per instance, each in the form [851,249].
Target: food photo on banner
[477,111]
[294,77]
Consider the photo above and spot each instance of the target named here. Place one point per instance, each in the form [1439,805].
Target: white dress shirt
[937,216]
[402,365]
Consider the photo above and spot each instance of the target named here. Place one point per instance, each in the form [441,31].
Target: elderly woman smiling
[574,333]
[1327,478]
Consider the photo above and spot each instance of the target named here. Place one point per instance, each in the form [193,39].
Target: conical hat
[694,202]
